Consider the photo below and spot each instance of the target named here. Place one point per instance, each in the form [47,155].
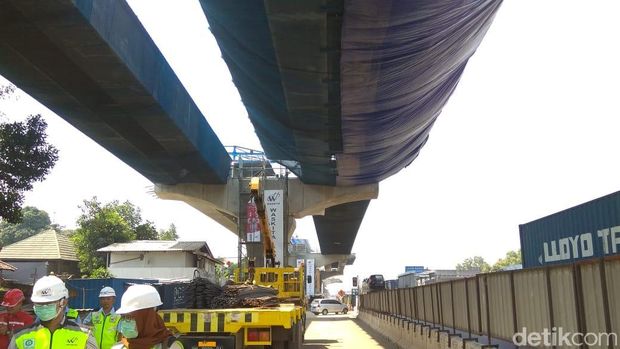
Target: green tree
[225,271]
[99,226]
[130,213]
[170,234]
[146,231]
[474,263]
[5,92]
[33,222]
[101,273]
[512,257]
[25,158]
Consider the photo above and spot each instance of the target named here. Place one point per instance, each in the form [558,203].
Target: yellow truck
[271,327]
[280,327]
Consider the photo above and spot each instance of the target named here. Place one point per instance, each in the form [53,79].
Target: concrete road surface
[340,331]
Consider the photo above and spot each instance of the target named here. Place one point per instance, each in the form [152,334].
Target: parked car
[325,306]
[373,283]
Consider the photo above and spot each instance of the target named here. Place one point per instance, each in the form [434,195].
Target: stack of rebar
[203,294]
[200,294]
[245,296]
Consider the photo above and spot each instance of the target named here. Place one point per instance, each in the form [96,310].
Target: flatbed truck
[280,327]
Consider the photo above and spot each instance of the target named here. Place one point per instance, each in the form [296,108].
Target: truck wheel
[298,337]
[345,310]
[324,312]
[279,345]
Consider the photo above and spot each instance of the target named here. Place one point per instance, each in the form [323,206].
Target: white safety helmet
[49,289]
[107,292]
[139,297]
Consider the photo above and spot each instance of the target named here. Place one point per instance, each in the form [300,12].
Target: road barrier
[512,307]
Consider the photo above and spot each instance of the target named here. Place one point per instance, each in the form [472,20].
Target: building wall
[152,259]
[64,267]
[156,272]
[159,265]
[208,266]
[29,271]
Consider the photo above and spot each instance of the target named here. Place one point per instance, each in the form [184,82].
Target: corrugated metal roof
[190,245]
[139,246]
[46,245]
[156,245]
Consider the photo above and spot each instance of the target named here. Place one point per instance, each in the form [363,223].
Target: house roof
[47,245]
[160,246]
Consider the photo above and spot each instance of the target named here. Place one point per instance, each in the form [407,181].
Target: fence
[579,298]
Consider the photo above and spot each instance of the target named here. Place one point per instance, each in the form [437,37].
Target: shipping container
[84,293]
[589,230]
[407,280]
[391,284]
[173,295]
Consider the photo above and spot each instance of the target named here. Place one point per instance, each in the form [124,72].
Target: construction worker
[141,326]
[104,322]
[49,296]
[14,318]
[70,313]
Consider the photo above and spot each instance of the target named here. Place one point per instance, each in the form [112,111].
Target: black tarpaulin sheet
[280,55]
[400,62]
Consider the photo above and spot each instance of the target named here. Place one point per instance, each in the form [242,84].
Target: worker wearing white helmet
[105,321]
[50,296]
[141,326]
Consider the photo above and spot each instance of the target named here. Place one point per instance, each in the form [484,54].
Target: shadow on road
[319,343]
[323,318]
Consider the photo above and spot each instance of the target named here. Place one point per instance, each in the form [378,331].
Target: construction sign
[274,210]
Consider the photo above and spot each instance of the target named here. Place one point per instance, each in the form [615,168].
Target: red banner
[252,227]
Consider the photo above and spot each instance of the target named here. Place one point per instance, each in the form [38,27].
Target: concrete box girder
[221,202]
[323,260]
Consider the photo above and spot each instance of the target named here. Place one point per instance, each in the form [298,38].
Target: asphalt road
[340,331]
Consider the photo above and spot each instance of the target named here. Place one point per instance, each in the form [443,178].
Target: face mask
[46,312]
[128,328]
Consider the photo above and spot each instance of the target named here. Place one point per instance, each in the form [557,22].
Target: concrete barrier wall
[407,334]
[580,298]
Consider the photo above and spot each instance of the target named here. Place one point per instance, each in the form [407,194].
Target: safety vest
[104,328]
[72,314]
[36,336]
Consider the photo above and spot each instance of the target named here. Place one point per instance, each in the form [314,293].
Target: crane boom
[268,245]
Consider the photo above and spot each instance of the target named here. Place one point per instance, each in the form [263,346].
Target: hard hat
[49,289]
[139,297]
[12,297]
[107,292]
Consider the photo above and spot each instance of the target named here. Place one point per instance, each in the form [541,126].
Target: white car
[325,306]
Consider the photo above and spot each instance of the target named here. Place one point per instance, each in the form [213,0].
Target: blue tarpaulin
[346,93]
[401,61]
